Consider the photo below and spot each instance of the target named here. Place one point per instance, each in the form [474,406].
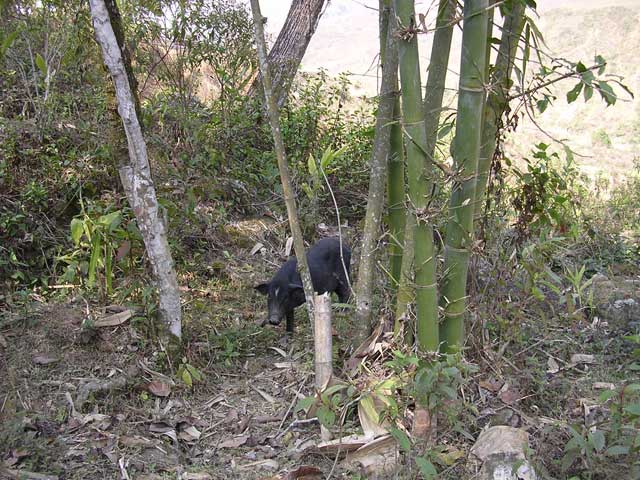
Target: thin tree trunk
[466,149]
[420,178]
[395,174]
[136,175]
[287,188]
[377,177]
[497,101]
[291,45]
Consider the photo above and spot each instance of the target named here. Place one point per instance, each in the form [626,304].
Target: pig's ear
[263,288]
[295,286]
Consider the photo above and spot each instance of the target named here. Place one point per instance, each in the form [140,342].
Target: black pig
[285,291]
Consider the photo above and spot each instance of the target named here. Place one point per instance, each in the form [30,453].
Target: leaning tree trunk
[497,101]
[291,45]
[420,178]
[466,149]
[136,174]
[377,178]
[287,188]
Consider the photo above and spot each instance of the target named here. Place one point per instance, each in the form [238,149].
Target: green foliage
[546,193]
[101,244]
[189,374]
[600,137]
[617,438]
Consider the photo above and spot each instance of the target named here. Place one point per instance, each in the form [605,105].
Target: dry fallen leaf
[196,476]
[509,396]
[491,384]
[159,389]
[234,442]
[577,358]
[256,248]
[113,320]
[552,366]
[269,464]
[44,359]
[189,434]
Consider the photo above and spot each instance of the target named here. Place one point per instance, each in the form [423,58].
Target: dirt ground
[238,420]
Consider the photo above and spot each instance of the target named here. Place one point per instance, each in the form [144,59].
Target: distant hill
[347,40]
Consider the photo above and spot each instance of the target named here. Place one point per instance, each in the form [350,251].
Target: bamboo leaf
[93,261]
[76,230]
[313,169]
[41,64]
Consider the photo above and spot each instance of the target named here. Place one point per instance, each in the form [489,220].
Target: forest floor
[238,420]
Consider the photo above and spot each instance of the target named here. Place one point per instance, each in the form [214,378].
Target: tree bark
[377,178]
[291,45]
[466,150]
[136,174]
[287,187]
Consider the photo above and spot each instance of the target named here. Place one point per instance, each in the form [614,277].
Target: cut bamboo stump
[323,347]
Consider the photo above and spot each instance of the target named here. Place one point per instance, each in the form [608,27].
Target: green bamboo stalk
[438,66]
[404,297]
[395,175]
[420,178]
[466,150]
[497,102]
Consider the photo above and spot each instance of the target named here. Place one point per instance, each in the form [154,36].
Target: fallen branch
[130,377]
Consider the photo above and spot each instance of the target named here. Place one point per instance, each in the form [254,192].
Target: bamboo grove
[409,124]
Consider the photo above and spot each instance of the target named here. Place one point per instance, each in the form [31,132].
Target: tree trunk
[136,175]
[377,177]
[290,47]
[420,178]
[287,188]
[466,149]
[497,102]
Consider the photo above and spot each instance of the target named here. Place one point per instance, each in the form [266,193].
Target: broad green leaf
[402,438]
[633,409]
[76,230]
[588,92]
[607,93]
[599,60]
[597,439]
[617,450]
[41,64]
[574,92]
[110,220]
[186,378]
[304,404]
[632,388]
[195,373]
[426,468]
[7,41]
[335,388]
[326,416]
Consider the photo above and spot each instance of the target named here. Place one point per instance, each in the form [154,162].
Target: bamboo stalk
[466,150]
[419,176]
[395,174]
[497,99]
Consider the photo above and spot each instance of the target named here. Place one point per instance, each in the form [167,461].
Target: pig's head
[282,297]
